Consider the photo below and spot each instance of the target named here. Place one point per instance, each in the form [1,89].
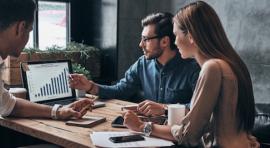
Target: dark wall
[247,24]
[130,14]
[94,22]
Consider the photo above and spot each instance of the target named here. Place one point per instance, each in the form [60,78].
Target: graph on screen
[48,81]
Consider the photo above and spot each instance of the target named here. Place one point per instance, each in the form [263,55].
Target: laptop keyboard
[97,104]
[62,102]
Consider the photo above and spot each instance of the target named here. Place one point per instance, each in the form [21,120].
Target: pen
[86,108]
[93,98]
[70,77]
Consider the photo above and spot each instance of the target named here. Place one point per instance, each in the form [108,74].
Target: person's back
[223,131]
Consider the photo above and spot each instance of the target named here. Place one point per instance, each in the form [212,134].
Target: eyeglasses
[145,38]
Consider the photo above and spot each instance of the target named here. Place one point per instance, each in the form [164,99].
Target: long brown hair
[201,21]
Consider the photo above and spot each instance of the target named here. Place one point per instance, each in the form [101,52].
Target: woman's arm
[203,103]
[162,131]
[132,121]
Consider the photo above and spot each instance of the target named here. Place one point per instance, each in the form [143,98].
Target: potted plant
[78,68]
[84,58]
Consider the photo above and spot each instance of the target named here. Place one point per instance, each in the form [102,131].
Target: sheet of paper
[101,139]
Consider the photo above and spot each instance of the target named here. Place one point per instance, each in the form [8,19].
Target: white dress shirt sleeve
[7,100]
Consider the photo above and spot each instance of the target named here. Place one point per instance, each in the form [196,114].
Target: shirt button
[161,88]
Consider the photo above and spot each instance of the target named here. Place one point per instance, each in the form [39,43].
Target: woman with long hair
[222,107]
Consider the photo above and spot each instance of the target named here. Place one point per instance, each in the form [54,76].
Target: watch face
[148,129]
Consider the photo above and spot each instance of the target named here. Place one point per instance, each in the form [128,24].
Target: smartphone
[118,122]
[129,138]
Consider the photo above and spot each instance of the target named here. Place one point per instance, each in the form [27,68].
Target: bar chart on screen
[48,81]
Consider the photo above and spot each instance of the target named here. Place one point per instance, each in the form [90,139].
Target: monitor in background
[47,81]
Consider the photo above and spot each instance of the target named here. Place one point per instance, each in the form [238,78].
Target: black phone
[129,138]
[118,122]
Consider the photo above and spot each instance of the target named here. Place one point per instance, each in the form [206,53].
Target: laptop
[47,81]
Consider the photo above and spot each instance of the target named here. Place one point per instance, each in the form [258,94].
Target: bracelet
[54,111]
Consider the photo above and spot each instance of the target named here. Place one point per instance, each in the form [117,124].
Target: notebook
[47,81]
[86,121]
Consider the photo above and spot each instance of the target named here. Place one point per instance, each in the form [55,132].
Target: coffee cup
[176,113]
[18,92]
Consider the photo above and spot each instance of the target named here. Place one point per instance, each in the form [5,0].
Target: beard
[152,55]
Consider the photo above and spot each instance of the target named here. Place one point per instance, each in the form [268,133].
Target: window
[30,43]
[51,25]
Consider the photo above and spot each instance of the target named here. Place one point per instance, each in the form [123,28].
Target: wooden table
[67,136]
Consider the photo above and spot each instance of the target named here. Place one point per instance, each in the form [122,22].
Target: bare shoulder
[212,66]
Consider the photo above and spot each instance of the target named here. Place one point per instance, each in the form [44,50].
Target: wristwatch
[147,130]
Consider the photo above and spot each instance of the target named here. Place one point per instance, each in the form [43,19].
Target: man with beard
[161,74]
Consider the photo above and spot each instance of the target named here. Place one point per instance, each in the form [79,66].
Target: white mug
[176,113]
[18,92]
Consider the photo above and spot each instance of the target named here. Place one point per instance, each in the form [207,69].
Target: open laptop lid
[47,81]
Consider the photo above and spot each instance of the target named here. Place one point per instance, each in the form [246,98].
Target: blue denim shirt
[171,83]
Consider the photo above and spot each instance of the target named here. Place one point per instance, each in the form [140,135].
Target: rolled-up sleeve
[7,101]
[125,88]
[204,100]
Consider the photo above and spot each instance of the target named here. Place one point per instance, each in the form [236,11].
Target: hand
[150,108]
[75,110]
[79,81]
[132,121]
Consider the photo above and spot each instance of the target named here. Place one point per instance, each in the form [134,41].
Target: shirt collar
[158,65]
[175,61]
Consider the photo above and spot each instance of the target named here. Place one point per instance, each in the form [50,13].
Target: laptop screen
[47,80]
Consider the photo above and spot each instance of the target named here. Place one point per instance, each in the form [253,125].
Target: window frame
[35,23]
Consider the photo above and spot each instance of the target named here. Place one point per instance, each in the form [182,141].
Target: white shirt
[7,100]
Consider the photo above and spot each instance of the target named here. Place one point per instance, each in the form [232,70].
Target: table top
[59,133]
